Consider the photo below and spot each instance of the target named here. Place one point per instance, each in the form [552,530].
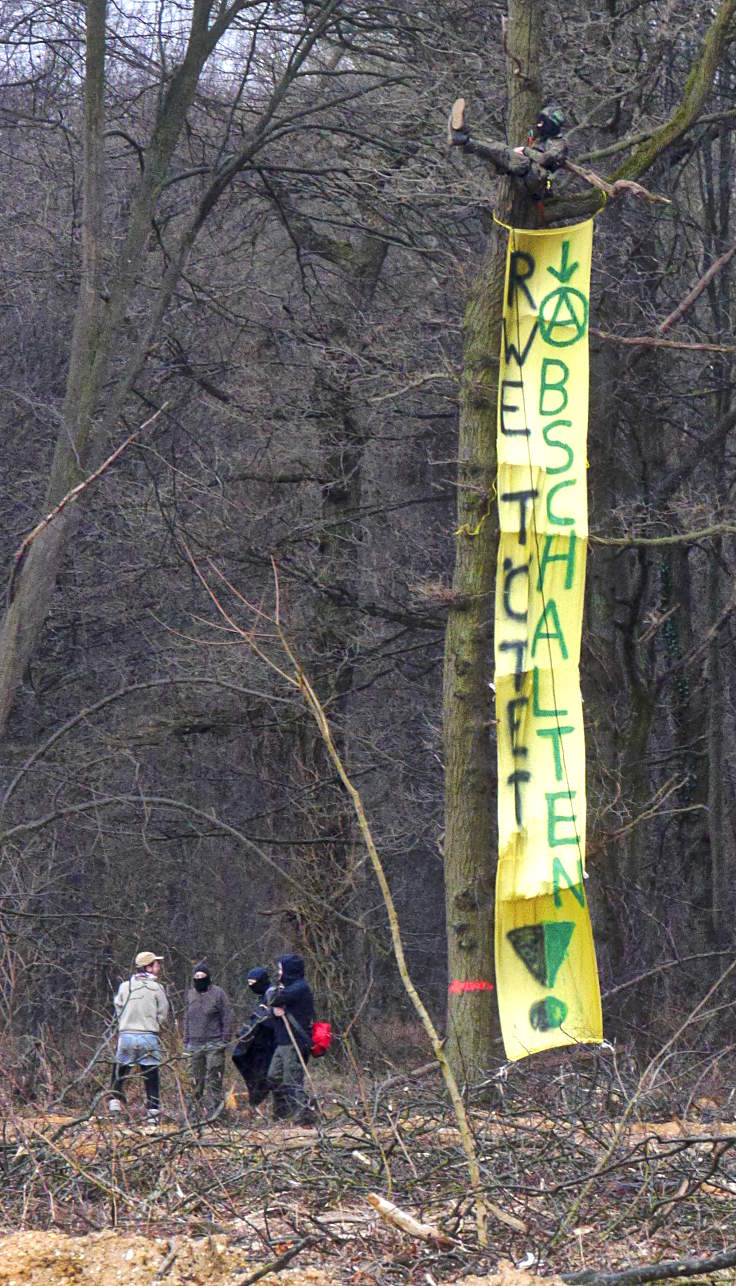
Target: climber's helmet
[550,121]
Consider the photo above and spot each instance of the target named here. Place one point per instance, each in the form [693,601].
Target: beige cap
[145,958]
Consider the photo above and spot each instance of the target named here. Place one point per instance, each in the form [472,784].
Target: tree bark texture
[468,710]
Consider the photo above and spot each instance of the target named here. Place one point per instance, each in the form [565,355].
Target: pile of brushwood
[587,1175]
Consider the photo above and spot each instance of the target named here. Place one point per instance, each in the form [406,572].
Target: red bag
[321,1039]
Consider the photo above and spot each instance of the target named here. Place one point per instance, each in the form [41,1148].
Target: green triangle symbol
[542,947]
[557,935]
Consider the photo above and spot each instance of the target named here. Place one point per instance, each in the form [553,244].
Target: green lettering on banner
[549,385]
[555,633]
[563,446]
[555,819]
[556,732]
[566,269]
[568,558]
[577,889]
[554,518]
[537,710]
[563,317]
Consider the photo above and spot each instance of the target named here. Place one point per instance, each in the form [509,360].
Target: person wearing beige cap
[141,1006]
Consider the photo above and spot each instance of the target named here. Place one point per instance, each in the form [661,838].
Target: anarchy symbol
[563,316]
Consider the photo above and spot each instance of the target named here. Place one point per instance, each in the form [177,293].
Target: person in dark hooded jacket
[254,1050]
[292,1005]
[208,1026]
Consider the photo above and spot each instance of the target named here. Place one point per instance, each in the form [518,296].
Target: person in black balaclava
[255,1046]
[208,1026]
[533,164]
[293,1009]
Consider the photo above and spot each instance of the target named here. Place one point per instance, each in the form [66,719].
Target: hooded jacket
[141,1003]
[255,1046]
[208,1018]
[294,996]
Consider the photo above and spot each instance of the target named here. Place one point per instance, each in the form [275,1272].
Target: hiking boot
[153,1116]
[308,1116]
[457,131]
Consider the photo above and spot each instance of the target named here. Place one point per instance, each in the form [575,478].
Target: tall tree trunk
[99,335]
[721,876]
[470,756]
[97,328]
[718,207]
[35,584]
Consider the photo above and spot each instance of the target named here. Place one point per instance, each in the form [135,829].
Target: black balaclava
[259,981]
[201,984]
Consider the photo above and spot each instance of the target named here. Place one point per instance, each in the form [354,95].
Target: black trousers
[150,1077]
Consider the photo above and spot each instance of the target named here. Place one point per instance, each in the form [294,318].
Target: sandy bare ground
[108,1258]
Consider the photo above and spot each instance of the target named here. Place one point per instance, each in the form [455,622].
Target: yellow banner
[546,972]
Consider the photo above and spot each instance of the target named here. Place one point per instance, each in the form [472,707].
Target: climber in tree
[532,164]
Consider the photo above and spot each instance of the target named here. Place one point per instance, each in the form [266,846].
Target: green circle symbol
[563,316]
[546,1014]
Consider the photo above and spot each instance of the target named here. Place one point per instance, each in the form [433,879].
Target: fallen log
[407,1223]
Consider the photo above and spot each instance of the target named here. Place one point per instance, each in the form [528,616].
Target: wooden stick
[297,679]
[407,1223]
[655,341]
[168,1261]
[414,1075]
[653,1272]
[301,1058]
[67,499]
[276,1265]
[315,707]
[697,289]
[617,189]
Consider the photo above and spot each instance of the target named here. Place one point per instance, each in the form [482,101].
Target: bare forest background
[237,233]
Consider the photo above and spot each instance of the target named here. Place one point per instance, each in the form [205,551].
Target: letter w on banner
[546,974]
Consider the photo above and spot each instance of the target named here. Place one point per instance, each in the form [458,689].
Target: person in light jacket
[141,1006]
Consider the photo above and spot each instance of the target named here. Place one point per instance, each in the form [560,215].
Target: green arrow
[566,269]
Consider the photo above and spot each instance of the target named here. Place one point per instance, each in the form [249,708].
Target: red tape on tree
[456,987]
